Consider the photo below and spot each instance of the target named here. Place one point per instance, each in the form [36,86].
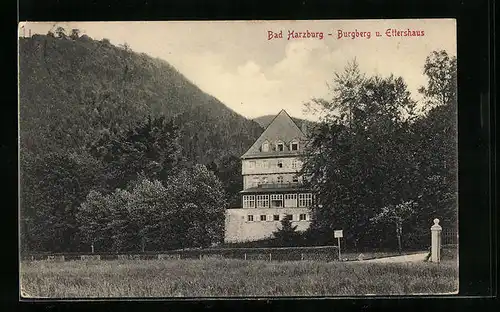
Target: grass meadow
[228,277]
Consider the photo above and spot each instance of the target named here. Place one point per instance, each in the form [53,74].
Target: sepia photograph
[238,159]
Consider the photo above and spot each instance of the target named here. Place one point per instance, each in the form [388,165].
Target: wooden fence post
[270,257]
[245,256]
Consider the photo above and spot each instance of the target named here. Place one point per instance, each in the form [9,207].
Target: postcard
[224,159]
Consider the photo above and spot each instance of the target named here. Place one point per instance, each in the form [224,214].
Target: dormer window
[294,146]
[265,147]
[280,147]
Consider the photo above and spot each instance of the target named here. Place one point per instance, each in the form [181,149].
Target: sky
[236,62]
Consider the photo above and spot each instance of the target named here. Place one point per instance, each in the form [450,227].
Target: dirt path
[419,257]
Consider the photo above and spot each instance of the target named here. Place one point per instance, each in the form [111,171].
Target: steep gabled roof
[281,128]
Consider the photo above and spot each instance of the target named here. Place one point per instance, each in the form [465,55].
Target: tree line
[382,165]
[96,118]
[128,191]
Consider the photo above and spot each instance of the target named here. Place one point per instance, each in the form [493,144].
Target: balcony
[275,187]
[279,185]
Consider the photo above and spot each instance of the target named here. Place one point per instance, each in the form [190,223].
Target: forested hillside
[120,151]
[74,89]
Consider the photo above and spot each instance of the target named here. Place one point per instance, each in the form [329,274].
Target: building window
[302,217]
[250,218]
[265,164]
[265,147]
[280,180]
[277,200]
[294,146]
[305,200]
[289,217]
[262,217]
[248,201]
[295,164]
[290,200]
[262,201]
[280,164]
[276,217]
[251,164]
[280,147]
[295,179]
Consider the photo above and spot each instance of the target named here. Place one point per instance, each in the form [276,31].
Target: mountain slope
[72,90]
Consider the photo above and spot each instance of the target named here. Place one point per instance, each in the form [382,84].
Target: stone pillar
[436,241]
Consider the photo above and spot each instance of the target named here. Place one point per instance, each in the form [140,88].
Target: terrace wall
[239,229]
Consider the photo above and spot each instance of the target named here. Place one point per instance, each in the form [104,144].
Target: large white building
[272,187]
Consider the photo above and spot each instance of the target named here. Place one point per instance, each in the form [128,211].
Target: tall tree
[436,143]
[229,173]
[396,215]
[52,188]
[207,203]
[287,234]
[441,71]
[356,159]
[151,149]
[345,91]
[75,33]
[94,217]
[186,211]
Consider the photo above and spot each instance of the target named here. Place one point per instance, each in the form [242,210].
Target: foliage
[441,71]
[396,215]
[187,212]
[125,118]
[151,149]
[287,233]
[229,173]
[61,32]
[75,33]
[372,149]
[73,90]
[52,188]
[436,142]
